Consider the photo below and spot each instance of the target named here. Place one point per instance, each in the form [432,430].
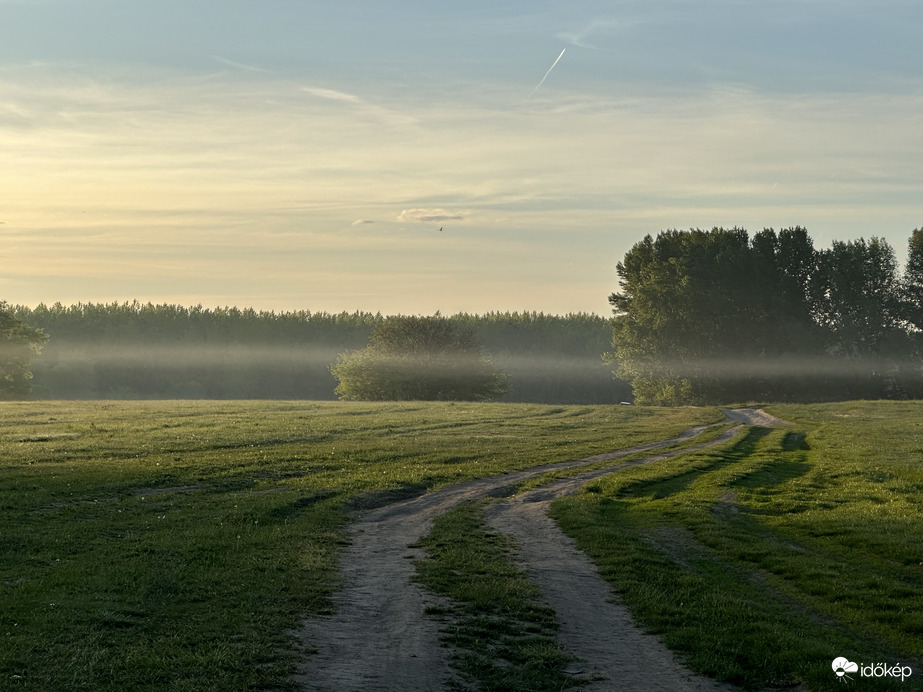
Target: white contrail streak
[548,72]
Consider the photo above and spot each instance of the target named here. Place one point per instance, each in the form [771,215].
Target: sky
[304,154]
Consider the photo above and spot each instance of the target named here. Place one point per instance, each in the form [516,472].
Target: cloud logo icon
[841,666]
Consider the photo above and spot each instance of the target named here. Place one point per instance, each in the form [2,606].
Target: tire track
[595,627]
[379,637]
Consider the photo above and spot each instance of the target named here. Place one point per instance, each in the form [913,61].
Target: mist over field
[135,351]
[774,367]
[254,372]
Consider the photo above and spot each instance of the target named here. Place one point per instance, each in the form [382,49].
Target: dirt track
[379,638]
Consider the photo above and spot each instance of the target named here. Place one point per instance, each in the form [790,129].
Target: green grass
[766,559]
[171,545]
[504,637]
[708,435]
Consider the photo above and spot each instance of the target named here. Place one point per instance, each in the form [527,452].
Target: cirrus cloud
[430,215]
[331,94]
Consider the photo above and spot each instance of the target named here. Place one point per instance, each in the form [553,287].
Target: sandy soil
[380,639]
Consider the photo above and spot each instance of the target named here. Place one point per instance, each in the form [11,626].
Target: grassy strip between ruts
[503,636]
[170,545]
[705,436]
[765,560]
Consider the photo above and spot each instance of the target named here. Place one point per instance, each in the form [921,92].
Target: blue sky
[303,155]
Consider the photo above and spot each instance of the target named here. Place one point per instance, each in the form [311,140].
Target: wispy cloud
[332,94]
[430,215]
[389,116]
[239,65]
[580,37]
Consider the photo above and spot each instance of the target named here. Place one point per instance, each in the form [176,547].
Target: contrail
[548,72]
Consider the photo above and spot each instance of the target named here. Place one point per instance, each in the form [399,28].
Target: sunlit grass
[171,545]
[765,560]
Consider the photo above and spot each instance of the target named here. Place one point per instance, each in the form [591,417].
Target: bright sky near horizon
[303,154]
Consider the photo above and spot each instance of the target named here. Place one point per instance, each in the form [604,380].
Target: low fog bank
[135,351]
[802,379]
[783,367]
[157,371]
[267,372]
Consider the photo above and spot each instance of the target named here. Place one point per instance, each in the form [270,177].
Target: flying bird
[440,229]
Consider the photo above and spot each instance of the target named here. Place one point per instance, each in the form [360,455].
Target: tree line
[717,316]
[138,350]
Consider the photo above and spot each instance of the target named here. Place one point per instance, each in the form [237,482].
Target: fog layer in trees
[411,358]
[134,350]
[717,317]
[19,344]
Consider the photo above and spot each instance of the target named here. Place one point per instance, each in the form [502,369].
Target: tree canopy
[418,358]
[19,343]
[716,316]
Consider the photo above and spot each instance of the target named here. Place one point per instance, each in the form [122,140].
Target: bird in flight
[440,229]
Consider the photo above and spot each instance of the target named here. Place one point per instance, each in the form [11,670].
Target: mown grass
[171,545]
[503,636]
[766,559]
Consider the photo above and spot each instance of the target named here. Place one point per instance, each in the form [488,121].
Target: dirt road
[379,638]
[597,629]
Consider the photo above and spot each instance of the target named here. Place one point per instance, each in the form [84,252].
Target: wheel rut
[379,637]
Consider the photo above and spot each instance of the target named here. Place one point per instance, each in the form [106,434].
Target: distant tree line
[145,351]
[716,317]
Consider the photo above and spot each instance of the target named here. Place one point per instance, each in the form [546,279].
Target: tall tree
[712,316]
[913,279]
[686,313]
[862,307]
[859,297]
[19,343]
[706,317]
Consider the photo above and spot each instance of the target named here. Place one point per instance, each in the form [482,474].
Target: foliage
[763,561]
[714,316]
[913,279]
[144,351]
[418,358]
[19,344]
[550,358]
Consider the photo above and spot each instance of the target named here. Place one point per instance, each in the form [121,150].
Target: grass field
[171,545]
[765,560]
